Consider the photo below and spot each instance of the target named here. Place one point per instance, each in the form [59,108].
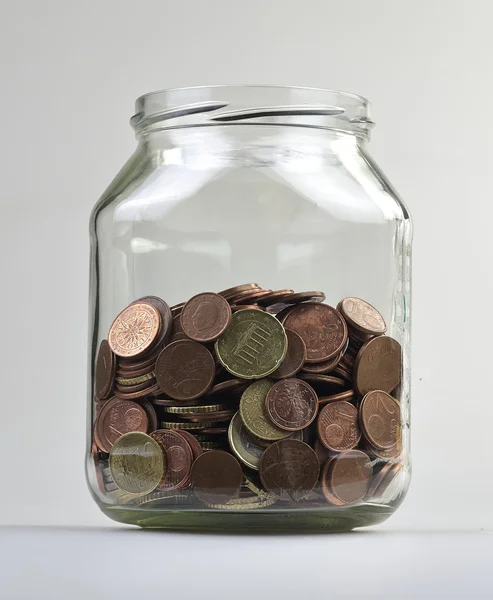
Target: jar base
[324,520]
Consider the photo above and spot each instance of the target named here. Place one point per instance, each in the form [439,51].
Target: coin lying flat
[137,463]
[289,469]
[338,427]
[322,328]
[378,365]
[292,404]
[185,370]
[253,346]
[216,477]
[134,329]
[105,371]
[254,414]
[380,419]
[205,317]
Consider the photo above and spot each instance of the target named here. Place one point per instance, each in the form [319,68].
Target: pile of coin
[245,399]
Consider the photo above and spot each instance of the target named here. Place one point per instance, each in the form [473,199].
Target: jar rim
[252,104]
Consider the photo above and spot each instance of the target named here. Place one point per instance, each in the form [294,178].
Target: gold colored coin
[252,504]
[186,426]
[254,413]
[185,410]
[253,345]
[137,463]
[162,497]
[135,380]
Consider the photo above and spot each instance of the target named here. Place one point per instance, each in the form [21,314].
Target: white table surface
[73,563]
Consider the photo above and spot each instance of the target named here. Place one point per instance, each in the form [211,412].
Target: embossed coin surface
[205,317]
[380,419]
[178,457]
[134,329]
[216,477]
[254,413]
[378,365]
[166,316]
[295,356]
[292,404]
[289,469]
[193,443]
[253,346]
[105,371]
[185,370]
[244,445]
[346,477]
[338,427]
[362,316]
[118,417]
[322,328]
[136,463]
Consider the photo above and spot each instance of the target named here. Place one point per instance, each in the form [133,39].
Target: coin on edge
[254,413]
[292,404]
[338,427]
[289,469]
[178,457]
[117,418]
[137,463]
[216,477]
[185,370]
[105,371]
[322,328]
[134,329]
[378,365]
[362,316]
[346,477]
[253,346]
[205,317]
[380,419]
[295,356]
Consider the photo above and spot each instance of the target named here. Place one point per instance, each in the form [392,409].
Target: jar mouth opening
[254,105]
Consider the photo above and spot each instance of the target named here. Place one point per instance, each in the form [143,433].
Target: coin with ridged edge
[253,346]
[137,463]
[254,414]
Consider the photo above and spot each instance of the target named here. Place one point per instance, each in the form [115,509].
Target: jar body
[204,209]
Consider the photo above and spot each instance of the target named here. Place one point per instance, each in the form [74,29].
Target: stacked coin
[247,398]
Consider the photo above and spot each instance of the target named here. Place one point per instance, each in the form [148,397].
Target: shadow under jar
[250,318]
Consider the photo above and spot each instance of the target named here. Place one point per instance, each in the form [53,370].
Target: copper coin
[165,401]
[387,478]
[116,418]
[348,476]
[135,329]
[282,314]
[378,365]
[294,359]
[127,373]
[322,368]
[322,328]
[321,451]
[341,371]
[98,467]
[147,362]
[105,371]
[177,308]
[289,469]
[237,307]
[166,316]
[338,427]
[178,456]
[216,477]
[193,443]
[362,316]
[144,385]
[387,454]
[304,297]
[251,297]
[212,430]
[239,289]
[214,417]
[291,404]
[324,385]
[380,419]
[347,396]
[151,415]
[185,370]
[275,297]
[176,327]
[205,317]
[138,394]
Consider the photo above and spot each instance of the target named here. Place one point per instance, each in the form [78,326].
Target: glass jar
[276,405]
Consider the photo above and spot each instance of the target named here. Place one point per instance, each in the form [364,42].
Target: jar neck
[254,145]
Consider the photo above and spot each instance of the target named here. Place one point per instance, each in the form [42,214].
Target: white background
[69,74]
